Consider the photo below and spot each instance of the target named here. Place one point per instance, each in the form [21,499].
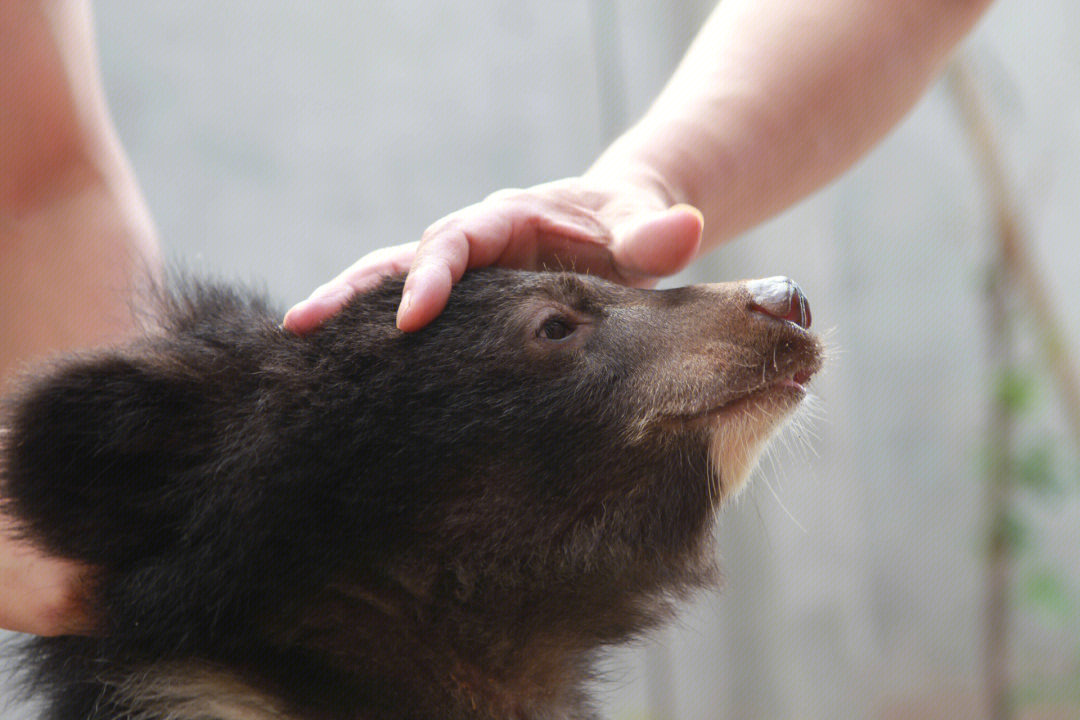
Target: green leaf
[1009,533]
[1015,389]
[1045,591]
[1035,470]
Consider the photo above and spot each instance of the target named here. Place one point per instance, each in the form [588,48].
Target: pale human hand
[624,230]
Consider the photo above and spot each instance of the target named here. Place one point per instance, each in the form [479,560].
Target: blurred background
[932,529]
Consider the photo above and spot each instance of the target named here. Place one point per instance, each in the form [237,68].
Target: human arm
[74,235]
[772,100]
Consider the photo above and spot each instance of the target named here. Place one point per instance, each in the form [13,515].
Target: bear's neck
[429,642]
[400,657]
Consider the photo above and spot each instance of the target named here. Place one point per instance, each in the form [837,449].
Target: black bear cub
[364,524]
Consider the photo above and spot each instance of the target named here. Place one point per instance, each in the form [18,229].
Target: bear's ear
[87,449]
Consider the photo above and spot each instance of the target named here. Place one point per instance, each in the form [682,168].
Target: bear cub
[365,524]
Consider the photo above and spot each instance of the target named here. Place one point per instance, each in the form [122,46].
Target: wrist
[679,159]
[641,178]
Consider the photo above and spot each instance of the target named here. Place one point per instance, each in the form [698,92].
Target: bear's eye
[556,328]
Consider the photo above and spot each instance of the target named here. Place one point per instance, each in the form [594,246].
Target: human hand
[38,594]
[624,230]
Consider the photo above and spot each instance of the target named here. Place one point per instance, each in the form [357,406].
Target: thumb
[658,244]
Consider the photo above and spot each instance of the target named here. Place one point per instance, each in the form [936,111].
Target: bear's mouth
[776,396]
[797,380]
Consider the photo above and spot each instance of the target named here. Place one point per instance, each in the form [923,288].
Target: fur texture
[367,524]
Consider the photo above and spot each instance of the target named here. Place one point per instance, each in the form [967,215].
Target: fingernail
[690,209]
[403,308]
[289,321]
[318,307]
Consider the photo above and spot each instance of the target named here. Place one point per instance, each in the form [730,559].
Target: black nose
[780,298]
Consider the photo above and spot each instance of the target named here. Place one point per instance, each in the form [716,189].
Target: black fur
[369,524]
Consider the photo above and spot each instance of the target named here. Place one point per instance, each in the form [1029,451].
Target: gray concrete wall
[281,141]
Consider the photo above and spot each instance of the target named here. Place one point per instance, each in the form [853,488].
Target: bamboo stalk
[1015,270]
[1000,555]
[1015,245]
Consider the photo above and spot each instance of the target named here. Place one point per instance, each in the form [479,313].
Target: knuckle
[505,195]
[445,225]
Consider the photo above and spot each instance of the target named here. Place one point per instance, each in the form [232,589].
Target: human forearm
[67,274]
[55,131]
[774,99]
[74,230]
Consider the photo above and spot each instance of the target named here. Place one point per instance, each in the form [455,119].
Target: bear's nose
[780,298]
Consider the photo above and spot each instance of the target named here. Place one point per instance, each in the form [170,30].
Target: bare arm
[772,100]
[74,233]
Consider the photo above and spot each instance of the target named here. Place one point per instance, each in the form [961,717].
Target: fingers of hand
[444,252]
[364,274]
[509,228]
[552,225]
